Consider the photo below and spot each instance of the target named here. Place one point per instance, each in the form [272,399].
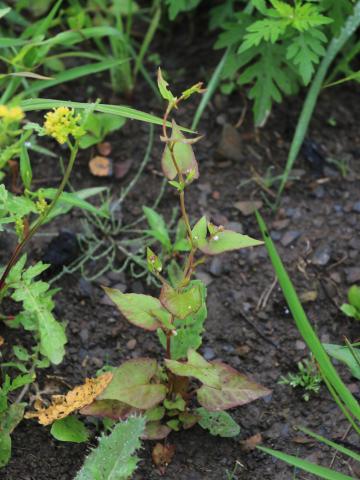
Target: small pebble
[356,207]
[289,237]
[300,345]
[321,256]
[352,275]
[216,266]
[131,344]
[204,277]
[208,353]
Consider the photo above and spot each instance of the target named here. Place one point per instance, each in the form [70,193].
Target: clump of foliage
[307,377]
[352,308]
[168,392]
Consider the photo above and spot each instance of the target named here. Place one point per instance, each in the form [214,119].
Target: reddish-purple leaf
[236,389]
[109,408]
[181,304]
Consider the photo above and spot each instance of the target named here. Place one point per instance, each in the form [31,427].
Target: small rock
[289,237]
[230,145]
[248,207]
[216,266]
[235,227]
[242,350]
[116,277]
[103,281]
[120,286]
[300,345]
[280,224]
[325,338]
[204,277]
[131,344]
[107,301]
[84,335]
[208,353]
[319,192]
[321,256]
[85,288]
[352,275]
[275,235]
[356,207]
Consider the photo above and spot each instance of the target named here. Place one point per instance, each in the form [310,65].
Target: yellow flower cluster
[11,114]
[62,122]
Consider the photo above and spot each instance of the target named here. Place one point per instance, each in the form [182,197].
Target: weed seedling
[307,377]
[183,388]
[352,309]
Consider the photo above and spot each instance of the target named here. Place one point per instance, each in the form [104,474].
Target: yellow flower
[11,114]
[62,122]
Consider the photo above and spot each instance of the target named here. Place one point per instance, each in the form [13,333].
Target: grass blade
[127,112]
[309,467]
[304,326]
[73,74]
[210,90]
[333,49]
[336,446]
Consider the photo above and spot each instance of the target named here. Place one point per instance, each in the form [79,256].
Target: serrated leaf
[305,52]
[181,304]
[113,458]
[235,389]
[138,309]
[197,367]
[183,154]
[227,240]
[69,429]
[218,423]
[131,384]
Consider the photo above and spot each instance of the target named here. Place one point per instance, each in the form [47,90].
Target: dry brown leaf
[251,442]
[101,166]
[162,456]
[104,148]
[2,341]
[79,397]
[247,208]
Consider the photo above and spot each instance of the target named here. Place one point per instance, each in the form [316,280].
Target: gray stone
[289,237]
[204,277]
[216,266]
[321,256]
[208,353]
[352,275]
[356,207]
[235,227]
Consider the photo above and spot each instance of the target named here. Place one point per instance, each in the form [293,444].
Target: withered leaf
[101,166]
[162,456]
[75,399]
[251,442]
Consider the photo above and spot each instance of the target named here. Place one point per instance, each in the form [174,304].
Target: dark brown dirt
[318,218]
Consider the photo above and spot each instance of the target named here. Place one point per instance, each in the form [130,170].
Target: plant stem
[18,249]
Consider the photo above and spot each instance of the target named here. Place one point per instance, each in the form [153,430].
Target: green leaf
[155,414]
[309,467]
[344,355]
[305,52]
[181,304]
[113,458]
[349,310]
[158,227]
[188,331]
[183,154]
[354,296]
[177,404]
[153,261]
[156,431]
[21,353]
[25,167]
[227,240]
[196,367]
[98,126]
[218,423]
[199,231]
[164,88]
[138,309]
[178,6]
[235,389]
[69,429]
[73,200]
[131,384]
[9,419]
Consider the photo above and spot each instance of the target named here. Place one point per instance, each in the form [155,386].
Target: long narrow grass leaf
[210,90]
[309,467]
[304,325]
[336,446]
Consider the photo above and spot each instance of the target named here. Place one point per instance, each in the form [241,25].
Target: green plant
[343,397]
[307,377]
[22,214]
[114,457]
[164,392]
[352,309]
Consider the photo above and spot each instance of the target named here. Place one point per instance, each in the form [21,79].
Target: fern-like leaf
[305,51]
[114,459]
